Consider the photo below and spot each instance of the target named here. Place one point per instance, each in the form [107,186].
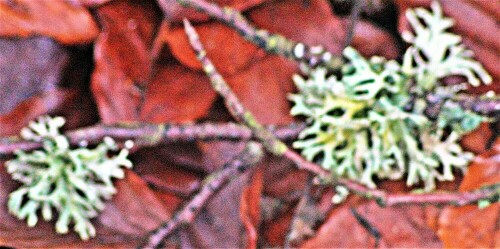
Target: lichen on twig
[73,182]
[311,56]
[360,126]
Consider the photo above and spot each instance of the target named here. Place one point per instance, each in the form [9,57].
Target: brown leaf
[122,60]
[476,141]
[470,226]
[157,169]
[174,12]
[250,207]
[38,76]
[177,94]
[275,231]
[314,24]
[228,51]
[66,23]
[263,89]
[219,224]
[371,40]
[399,227]
[126,219]
[128,85]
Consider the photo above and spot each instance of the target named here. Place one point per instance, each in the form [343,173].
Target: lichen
[435,53]
[73,182]
[365,125]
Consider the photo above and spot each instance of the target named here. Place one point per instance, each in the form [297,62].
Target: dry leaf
[58,19]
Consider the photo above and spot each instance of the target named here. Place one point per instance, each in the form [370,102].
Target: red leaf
[228,51]
[122,59]
[177,94]
[476,140]
[38,76]
[66,23]
[263,89]
[174,12]
[219,224]
[470,226]
[314,24]
[126,83]
[250,207]
[398,226]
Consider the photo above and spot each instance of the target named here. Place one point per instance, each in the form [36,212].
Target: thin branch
[271,43]
[372,230]
[316,56]
[383,198]
[146,134]
[278,148]
[248,158]
[240,113]
[309,212]
[353,18]
[479,104]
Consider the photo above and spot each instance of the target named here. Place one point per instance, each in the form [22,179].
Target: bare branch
[241,114]
[146,134]
[247,159]
[271,43]
[278,148]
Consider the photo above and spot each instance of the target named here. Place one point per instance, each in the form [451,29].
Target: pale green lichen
[435,53]
[360,126]
[73,182]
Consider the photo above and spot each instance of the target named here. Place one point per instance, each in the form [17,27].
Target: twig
[248,158]
[308,214]
[353,18]
[278,148]
[239,112]
[479,104]
[272,43]
[372,230]
[146,134]
[384,199]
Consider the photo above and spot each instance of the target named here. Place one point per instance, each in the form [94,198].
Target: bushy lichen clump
[362,126]
[73,182]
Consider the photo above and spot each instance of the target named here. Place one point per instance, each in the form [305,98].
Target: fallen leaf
[370,40]
[476,141]
[250,207]
[226,48]
[127,83]
[156,169]
[218,224]
[398,226]
[58,19]
[265,86]
[274,232]
[314,24]
[38,76]
[177,94]
[470,226]
[123,66]
[174,12]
